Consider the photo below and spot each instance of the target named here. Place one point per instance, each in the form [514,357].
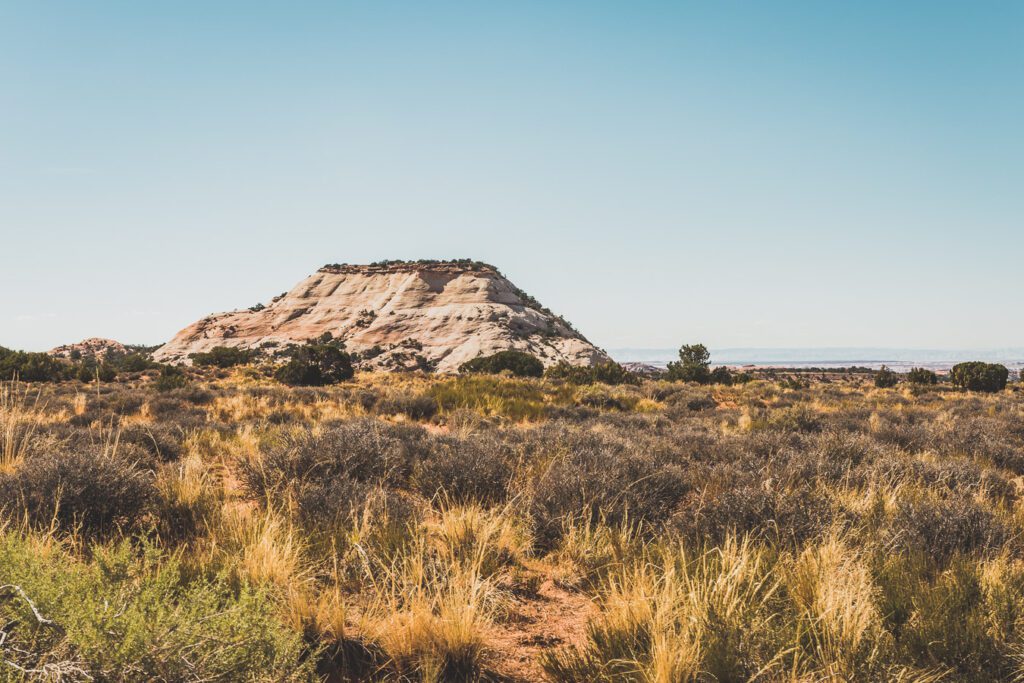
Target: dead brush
[20,415]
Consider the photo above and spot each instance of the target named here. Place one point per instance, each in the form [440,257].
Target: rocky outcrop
[94,347]
[432,315]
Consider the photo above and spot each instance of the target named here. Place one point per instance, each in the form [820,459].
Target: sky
[743,174]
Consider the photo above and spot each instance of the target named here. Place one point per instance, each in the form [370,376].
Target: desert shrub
[797,418]
[602,479]
[472,470]
[171,377]
[944,527]
[134,362]
[922,376]
[315,365]
[692,366]
[91,372]
[223,357]
[188,500]
[133,616]
[606,398]
[161,440]
[518,363]
[605,373]
[689,398]
[330,473]
[720,375]
[413,406]
[744,506]
[830,457]
[194,395]
[93,489]
[978,376]
[127,402]
[886,378]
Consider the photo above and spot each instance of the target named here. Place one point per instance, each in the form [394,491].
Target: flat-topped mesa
[454,266]
[432,315]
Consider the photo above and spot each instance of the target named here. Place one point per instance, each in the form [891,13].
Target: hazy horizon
[749,175]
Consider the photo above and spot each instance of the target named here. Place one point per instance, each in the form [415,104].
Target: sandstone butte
[431,315]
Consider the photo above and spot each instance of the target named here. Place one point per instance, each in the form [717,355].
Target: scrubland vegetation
[482,527]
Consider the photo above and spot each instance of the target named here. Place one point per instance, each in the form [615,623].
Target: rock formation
[94,347]
[433,315]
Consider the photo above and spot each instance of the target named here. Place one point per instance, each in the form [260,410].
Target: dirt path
[553,617]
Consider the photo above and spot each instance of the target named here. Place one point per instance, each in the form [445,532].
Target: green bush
[90,372]
[32,367]
[922,376]
[720,375]
[519,363]
[223,357]
[978,376]
[605,373]
[134,362]
[414,406]
[133,615]
[692,366]
[171,377]
[314,365]
[886,378]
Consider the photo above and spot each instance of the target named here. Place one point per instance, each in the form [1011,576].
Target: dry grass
[20,413]
[417,528]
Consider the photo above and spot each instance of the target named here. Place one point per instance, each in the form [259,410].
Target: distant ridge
[831,356]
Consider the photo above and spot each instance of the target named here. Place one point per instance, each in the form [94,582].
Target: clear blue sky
[740,173]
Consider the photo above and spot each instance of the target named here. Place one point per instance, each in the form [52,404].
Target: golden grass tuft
[265,546]
[835,598]
[20,416]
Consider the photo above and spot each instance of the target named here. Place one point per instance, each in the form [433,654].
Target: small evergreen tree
[519,363]
[922,376]
[223,357]
[978,376]
[314,365]
[720,375]
[171,377]
[605,373]
[692,366]
[886,378]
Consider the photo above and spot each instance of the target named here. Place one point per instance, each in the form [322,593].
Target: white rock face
[435,315]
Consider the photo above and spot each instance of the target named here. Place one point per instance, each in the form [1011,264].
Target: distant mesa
[94,347]
[397,315]
[642,369]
